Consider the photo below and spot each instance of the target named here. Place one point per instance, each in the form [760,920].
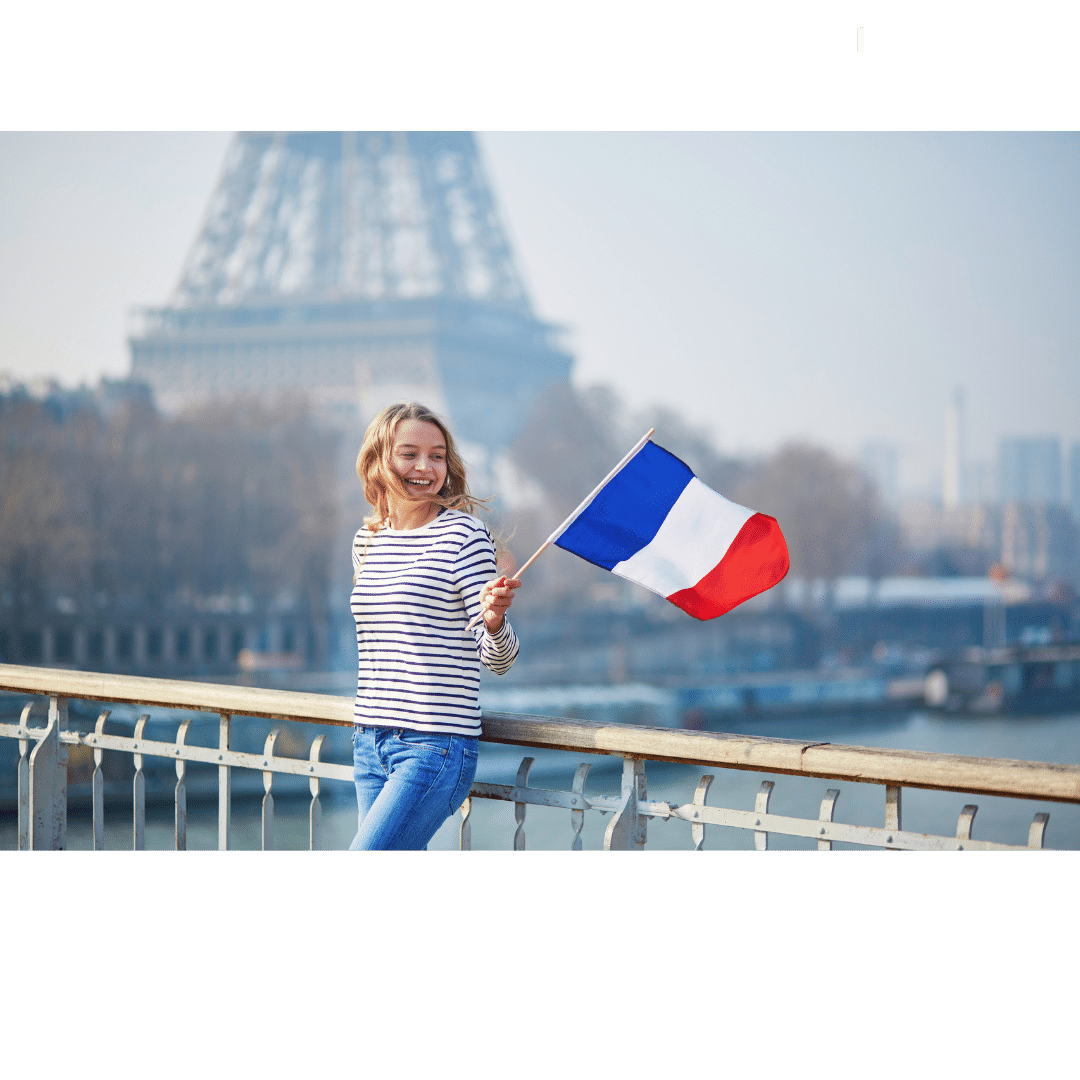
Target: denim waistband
[399,731]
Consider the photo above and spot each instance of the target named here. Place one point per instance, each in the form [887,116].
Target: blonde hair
[373,465]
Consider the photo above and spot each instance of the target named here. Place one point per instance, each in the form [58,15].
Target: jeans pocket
[469,757]
[425,740]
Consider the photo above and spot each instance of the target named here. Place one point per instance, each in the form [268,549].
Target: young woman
[423,568]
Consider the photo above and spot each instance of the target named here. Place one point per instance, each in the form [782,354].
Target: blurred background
[872,337]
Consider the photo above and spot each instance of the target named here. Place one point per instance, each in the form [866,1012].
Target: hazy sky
[834,287]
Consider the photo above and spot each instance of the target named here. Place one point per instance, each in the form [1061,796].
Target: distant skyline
[830,287]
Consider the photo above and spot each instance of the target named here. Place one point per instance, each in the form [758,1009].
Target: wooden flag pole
[574,516]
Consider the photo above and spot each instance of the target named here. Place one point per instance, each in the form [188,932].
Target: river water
[1054,738]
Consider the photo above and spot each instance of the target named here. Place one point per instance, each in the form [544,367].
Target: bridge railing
[44,738]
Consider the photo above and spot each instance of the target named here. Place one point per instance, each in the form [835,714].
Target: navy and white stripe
[415,592]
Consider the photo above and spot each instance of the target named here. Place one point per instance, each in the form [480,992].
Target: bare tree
[238,497]
[829,511]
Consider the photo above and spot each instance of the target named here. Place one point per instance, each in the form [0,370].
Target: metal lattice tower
[359,268]
[378,215]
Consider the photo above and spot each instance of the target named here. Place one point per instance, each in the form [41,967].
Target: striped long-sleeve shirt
[415,592]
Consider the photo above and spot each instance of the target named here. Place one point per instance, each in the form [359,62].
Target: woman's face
[418,456]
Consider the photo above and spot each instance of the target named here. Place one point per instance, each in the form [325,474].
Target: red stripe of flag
[756,560]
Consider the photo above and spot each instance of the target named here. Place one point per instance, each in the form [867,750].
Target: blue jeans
[407,784]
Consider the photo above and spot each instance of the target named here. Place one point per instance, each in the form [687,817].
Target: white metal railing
[44,738]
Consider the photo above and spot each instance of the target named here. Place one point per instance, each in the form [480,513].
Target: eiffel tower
[359,268]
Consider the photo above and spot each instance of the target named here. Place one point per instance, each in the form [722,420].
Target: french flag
[654,522]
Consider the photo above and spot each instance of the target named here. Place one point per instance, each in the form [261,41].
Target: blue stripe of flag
[630,508]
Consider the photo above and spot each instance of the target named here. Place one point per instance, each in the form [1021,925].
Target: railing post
[626,830]
[138,841]
[465,831]
[48,783]
[519,807]
[315,811]
[1037,832]
[181,788]
[697,828]
[268,795]
[24,793]
[60,705]
[828,808]
[32,708]
[224,810]
[98,786]
[761,806]
[892,813]
[577,817]
[965,823]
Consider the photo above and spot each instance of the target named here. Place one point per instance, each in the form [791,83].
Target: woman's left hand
[495,597]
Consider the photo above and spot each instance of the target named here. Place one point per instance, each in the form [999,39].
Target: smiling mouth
[419,483]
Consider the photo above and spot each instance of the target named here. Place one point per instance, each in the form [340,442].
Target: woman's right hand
[495,599]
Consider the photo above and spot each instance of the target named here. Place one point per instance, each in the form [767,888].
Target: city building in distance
[1029,470]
